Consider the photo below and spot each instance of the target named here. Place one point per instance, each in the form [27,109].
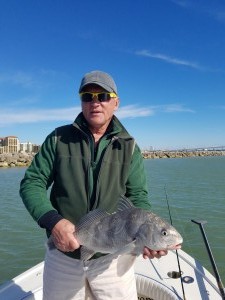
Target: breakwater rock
[25,159]
[16,159]
[180,154]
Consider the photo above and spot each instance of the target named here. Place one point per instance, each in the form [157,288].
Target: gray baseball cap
[100,78]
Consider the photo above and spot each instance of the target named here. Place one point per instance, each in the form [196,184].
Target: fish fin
[130,248]
[86,253]
[90,218]
[124,203]
[127,249]
[50,243]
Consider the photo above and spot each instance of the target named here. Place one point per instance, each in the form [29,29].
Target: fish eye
[164,232]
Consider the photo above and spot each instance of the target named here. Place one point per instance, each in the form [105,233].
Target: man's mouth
[95,112]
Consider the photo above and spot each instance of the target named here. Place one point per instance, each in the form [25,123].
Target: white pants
[66,278]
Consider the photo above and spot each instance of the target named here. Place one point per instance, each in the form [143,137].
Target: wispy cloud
[216,12]
[218,15]
[17,78]
[9,116]
[168,59]
[174,108]
[182,3]
[134,111]
[38,79]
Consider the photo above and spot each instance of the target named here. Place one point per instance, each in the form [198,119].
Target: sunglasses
[102,97]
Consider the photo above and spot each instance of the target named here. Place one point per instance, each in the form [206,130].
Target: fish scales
[129,229]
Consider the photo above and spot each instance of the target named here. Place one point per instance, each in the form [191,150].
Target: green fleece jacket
[83,177]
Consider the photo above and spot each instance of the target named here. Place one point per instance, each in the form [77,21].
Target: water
[21,240]
[194,187]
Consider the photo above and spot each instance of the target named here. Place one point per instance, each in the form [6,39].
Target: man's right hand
[63,236]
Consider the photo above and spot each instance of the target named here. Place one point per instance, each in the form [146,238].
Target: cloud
[17,78]
[218,15]
[134,111]
[217,12]
[182,3]
[38,79]
[168,59]
[10,117]
[173,108]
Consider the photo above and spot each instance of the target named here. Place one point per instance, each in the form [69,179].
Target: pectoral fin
[127,249]
[86,253]
[124,203]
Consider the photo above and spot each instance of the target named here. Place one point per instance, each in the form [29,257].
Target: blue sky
[166,56]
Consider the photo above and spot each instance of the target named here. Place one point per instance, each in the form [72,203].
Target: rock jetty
[180,154]
[16,159]
[25,159]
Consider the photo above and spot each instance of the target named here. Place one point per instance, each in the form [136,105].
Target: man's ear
[117,103]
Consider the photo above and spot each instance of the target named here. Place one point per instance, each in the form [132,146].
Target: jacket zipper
[113,139]
[88,167]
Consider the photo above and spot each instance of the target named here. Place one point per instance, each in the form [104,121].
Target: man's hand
[63,236]
[148,253]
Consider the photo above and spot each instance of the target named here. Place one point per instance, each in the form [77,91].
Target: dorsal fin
[92,217]
[124,203]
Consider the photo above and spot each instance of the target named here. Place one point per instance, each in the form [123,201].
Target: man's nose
[95,99]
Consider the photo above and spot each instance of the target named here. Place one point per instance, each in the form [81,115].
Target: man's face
[98,114]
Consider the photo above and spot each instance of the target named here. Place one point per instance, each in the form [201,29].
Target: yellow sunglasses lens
[102,97]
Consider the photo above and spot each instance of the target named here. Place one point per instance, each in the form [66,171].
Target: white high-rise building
[26,147]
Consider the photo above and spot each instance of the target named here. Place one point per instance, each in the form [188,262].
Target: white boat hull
[153,277]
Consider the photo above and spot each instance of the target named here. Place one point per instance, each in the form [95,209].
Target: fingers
[68,245]
[148,253]
[63,236]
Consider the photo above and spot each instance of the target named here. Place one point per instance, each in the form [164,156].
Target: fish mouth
[176,247]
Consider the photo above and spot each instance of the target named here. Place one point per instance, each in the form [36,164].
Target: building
[26,147]
[1,145]
[36,148]
[9,144]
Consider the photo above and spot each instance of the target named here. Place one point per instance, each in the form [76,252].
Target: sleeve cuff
[49,220]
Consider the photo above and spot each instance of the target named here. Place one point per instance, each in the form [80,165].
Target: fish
[128,230]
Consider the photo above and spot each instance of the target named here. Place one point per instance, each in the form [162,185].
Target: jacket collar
[115,126]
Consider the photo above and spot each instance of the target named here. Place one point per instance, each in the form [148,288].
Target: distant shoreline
[9,160]
[180,154]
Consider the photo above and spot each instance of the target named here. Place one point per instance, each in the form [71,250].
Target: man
[89,164]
